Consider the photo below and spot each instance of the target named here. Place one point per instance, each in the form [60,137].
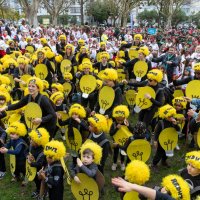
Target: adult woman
[48,120]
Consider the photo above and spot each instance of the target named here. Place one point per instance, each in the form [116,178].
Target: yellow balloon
[140,69]
[67,88]
[193,90]
[133,53]
[87,85]
[32,111]
[178,93]
[131,196]
[130,97]
[12,163]
[13,118]
[75,142]
[122,135]
[30,172]
[65,66]
[139,149]
[87,189]
[100,74]
[106,98]
[24,78]
[30,49]
[41,71]
[141,101]
[168,139]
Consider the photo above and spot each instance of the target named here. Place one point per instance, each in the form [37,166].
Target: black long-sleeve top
[161,125]
[184,80]
[48,114]
[100,66]
[130,66]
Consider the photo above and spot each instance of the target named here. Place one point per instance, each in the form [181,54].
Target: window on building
[74,10]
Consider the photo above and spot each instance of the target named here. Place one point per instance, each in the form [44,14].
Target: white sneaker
[63,138]
[114,167]
[2,175]
[177,147]
[123,167]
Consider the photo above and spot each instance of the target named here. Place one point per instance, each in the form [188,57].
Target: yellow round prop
[13,118]
[168,139]
[141,101]
[130,97]
[121,77]
[32,111]
[131,196]
[30,49]
[64,116]
[106,98]
[178,93]
[12,82]
[65,66]
[30,172]
[193,89]
[181,122]
[139,150]
[198,138]
[133,53]
[86,190]
[87,85]
[101,74]
[12,163]
[53,65]
[24,78]
[122,135]
[67,88]
[75,142]
[140,69]
[41,71]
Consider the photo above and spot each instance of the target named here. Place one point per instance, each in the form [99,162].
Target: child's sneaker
[2,174]
[177,147]
[35,194]
[123,167]
[63,138]
[114,167]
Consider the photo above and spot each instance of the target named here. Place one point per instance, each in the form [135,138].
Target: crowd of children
[83,98]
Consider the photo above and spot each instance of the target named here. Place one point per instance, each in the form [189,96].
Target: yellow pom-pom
[36,81]
[59,87]
[144,50]
[58,58]
[78,109]
[167,111]
[181,101]
[17,128]
[138,36]
[99,121]
[56,96]
[155,74]
[121,111]
[193,158]
[110,74]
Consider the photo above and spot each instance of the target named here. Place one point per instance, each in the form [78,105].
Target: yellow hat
[40,136]
[50,54]
[10,41]
[5,88]
[110,74]
[85,65]
[120,54]
[56,96]
[5,58]
[144,50]
[38,82]
[112,63]
[137,172]
[43,40]
[155,74]
[181,101]
[69,46]
[68,75]
[95,148]
[177,187]
[62,37]
[99,83]
[23,60]
[197,66]
[121,111]
[28,39]
[4,80]
[17,128]
[45,84]
[138,36]
[6,95]
[58,87]
[104,54]
[55,149]
[81,42]
[41,50]
[83,47]
[193,158]
[99,121]
[102,43]
[167,111]
[58,58]
[78,109]
[9,62]
[123,42]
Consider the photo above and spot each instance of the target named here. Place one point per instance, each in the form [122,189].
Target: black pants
[37,183]
[115,155]
[2,163]
[20,168]
[160,155]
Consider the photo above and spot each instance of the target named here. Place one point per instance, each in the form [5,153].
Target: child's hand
[124,81]
[59,116]
[77,180]
[42,175]
[79,162]
[147,96]
[187,99]
[118,126]
[36,121]
[190,113]
[3,150]
[92,113]
[126,122]
[78,120]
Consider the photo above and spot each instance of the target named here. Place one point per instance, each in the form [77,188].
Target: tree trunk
[169,17]
[82,12]
[55,20]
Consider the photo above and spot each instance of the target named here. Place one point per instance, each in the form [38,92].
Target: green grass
[12,191]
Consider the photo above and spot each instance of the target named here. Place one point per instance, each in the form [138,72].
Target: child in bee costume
[120,117]
[53,174]
[191,174]
[38,139]
[167,113]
